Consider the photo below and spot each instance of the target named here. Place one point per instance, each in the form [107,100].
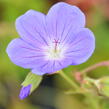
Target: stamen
[56,44]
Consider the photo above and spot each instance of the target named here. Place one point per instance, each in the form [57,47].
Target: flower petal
[25,55]
[63,18]
[82,47]
[52,66]
[35,71]
[31,27]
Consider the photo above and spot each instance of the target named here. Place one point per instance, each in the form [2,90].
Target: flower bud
[89,85]
[103,86]
[25,91]
[31,82]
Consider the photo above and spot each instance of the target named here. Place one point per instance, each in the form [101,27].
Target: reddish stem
[101,64]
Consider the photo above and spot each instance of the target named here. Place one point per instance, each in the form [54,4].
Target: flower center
[55,51]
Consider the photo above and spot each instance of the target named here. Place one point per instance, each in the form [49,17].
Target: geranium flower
[51,42]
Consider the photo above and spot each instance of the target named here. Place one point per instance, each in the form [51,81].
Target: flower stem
[90,68]
[69,80]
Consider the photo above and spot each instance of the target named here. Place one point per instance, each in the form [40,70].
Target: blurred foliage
[48,96]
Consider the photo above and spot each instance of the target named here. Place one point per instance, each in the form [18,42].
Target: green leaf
[32,79]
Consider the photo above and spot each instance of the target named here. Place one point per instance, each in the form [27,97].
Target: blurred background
[50,94]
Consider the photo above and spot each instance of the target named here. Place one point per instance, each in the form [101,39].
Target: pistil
[56,44]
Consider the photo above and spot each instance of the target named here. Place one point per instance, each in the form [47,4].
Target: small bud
[89,86]
[88,83]
[25,91]
[103,86]
[30,83]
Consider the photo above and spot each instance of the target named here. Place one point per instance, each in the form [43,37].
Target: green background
[50,95]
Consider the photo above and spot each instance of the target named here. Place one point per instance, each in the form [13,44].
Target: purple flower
[51,42]
[25,91]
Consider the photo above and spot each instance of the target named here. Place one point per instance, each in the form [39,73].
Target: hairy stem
[90,68]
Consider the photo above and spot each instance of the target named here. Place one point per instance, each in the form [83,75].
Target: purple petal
[63,18]
[35,71]
[25,55]
[52,66]
[25,91]
[31,27]
[82,47]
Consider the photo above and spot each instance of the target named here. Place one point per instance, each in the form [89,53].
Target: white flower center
[55,51]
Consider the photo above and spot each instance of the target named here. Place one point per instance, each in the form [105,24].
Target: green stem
[69,80]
